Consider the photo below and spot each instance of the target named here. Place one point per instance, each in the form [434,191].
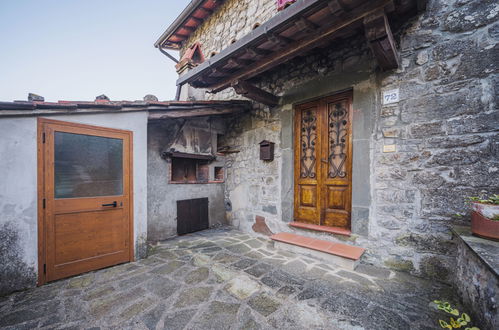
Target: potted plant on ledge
[485,216]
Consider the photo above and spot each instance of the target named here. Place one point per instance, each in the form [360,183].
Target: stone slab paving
[225,279]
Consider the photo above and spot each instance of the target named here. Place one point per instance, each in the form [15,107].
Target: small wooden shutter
[192,215]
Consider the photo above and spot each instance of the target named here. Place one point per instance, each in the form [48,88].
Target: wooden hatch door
[86,191]
[323,161]
[192,215]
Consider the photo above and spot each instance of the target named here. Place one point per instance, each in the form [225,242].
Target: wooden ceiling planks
[295,31]
[298,47]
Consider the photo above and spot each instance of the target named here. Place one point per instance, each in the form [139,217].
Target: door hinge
[45,268]
[44,203]
[43,137]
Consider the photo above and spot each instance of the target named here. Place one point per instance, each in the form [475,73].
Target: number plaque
[391,96]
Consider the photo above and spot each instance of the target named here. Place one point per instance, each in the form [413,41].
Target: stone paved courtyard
[225,279]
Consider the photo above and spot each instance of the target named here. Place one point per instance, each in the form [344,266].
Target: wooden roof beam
[278,40]
[337,7]
[305,25]
[196,20]
[238,62]
[254,93]
[181,35]
[204,81]
[254,38]
[206,11]
[381,41]
[220,72]
[254,52]
[301,46]
[188,28]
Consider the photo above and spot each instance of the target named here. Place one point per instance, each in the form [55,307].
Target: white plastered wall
[18,187]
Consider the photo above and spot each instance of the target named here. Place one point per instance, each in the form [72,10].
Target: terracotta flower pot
[481,224]
[490,211]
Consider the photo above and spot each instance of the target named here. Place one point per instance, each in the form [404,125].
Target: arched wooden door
[323,161]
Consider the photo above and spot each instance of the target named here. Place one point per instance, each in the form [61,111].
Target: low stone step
[342,255]
[324,229]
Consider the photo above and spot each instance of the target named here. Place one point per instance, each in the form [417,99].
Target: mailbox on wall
[267,150]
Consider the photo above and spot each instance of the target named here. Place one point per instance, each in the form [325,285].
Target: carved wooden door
[323,161]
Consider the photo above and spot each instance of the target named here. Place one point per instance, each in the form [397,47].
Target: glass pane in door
[87,166]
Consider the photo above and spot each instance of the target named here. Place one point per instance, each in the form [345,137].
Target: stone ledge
[486,250]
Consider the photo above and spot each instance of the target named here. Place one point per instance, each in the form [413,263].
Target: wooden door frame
[347,93]
[41,188]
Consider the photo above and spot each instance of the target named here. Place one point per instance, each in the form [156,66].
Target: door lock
[113,204]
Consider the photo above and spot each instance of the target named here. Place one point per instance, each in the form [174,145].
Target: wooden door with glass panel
[87,221]
[323,161]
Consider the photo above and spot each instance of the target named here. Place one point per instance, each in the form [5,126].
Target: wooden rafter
[220,72]
[254,93]
[300,46]
[276,39]
[380,38]
[305,25]
[196,20]
[301,28]
[254,52]
[205,11]
[182,35]
[238,62]
[336,7]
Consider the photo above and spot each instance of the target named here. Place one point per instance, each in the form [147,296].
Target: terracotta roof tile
[27,107]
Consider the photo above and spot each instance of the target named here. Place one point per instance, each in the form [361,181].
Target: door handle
[324,160]
[113,204]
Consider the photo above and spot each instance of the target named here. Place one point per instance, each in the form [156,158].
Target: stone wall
[252,185]
[444,132]
[231,21]
[475,277]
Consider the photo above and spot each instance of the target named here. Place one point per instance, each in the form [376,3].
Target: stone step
[324,229]
[342,255]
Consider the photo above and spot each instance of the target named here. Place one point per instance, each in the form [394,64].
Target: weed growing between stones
[460,322]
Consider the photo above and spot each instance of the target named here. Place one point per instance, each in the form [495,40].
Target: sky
[78,49]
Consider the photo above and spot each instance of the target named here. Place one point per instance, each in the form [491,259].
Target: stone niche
[197,140]
[192,151]
[194,136]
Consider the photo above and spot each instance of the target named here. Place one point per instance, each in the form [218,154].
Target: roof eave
[278,19]
[357,13]
[191,7]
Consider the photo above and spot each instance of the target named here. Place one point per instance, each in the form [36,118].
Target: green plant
[489,200]
[492,199]
[461,322]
